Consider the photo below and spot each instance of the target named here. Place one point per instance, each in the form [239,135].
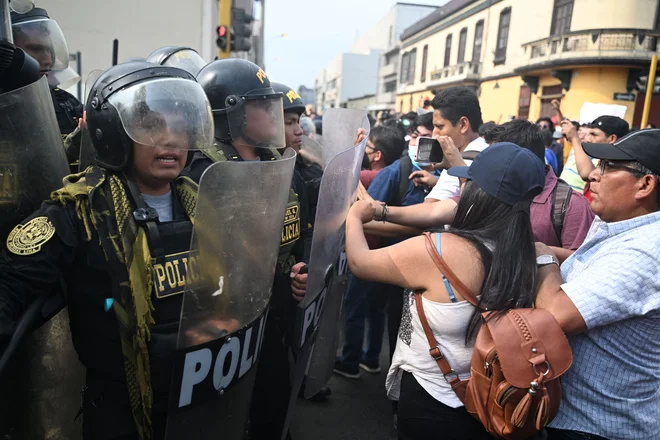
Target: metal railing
[594,42]
[467,69]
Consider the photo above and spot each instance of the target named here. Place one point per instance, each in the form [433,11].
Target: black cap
[642,146]
[611,125]
[292,102]
[511,174]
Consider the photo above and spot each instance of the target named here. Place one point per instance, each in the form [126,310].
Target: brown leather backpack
[514,388]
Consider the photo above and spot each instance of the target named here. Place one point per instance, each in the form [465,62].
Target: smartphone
[428,150]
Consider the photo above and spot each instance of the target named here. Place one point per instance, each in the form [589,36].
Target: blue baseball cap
[511,174]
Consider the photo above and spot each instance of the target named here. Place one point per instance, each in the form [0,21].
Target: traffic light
[221,41]
[241,23]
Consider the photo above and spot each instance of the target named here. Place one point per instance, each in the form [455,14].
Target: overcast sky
[318,30]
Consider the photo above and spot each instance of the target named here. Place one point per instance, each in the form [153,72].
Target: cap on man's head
[642,146]
[511,174]
[611,125]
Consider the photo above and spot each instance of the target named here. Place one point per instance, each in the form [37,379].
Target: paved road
[357,410]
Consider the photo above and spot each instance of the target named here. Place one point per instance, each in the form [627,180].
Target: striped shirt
[613,387]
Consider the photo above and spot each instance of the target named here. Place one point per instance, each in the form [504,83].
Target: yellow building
[520,54]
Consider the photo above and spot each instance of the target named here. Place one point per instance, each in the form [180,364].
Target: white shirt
[449,322]
[449,186]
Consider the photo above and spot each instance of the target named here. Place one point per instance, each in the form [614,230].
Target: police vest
[291,229]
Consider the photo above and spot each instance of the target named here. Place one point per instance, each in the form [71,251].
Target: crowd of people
[551,216]
[581,201]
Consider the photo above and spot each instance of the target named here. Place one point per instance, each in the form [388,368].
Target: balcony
[388,69]
[458,73]
[599,46]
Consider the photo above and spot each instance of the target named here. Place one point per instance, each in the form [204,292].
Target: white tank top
[449,322]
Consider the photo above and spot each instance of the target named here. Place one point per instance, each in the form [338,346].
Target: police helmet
[246,109]
[146,104]
[291,101]
[182,57]
[41,38]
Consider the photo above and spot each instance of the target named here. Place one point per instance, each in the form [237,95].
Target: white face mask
[413,150]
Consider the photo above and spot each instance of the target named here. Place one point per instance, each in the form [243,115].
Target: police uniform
[68,111]
[124,270]
[230,84]
[311,174]
[37,24]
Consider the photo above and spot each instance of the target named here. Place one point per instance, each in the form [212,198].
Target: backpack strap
[405,168]
[434,350]
[455,382]
[561,196]
[448,273]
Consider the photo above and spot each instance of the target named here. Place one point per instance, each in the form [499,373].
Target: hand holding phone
[428,150]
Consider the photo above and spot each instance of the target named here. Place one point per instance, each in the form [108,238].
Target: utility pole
[224,28]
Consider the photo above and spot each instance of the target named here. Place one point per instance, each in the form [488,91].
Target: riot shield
[32,160]
[41,384]
[234,250]
[336,194]
[342,126]
[87,152]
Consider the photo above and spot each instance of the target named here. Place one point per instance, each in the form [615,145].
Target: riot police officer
[41,37]
[182,57]
[249,126]
[294,107]
[107,234]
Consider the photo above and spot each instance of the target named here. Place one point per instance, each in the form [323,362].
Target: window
[404,67]
[425,54]
[462,41]
[561,17]
[523,102]
[411,66]
[502,36]
[476,50]
[390,86]
[448,50]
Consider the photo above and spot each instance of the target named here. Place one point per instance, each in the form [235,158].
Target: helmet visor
[43,40]
[257,121]
[63,78]
[168,112]
[187,59]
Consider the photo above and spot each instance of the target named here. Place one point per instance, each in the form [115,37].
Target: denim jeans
[365,301]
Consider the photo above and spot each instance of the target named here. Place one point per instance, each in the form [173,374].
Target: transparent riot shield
[87,152]
[336,194]
[42,380]
[32,160]
[342,126]
[312,149]
[236,240]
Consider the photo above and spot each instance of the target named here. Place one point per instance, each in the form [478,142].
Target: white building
[356,74]
[141,26]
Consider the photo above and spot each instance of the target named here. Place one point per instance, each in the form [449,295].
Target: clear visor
[63,78]
[257,122]
[168,112]
[188,60]
[43,40]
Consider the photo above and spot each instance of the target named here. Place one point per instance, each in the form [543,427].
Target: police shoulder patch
[27,239]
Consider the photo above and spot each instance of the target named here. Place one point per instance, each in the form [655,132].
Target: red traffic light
[222,31]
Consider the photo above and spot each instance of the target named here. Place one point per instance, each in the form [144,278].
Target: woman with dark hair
[489,247]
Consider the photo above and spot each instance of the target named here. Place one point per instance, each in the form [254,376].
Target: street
[356,410]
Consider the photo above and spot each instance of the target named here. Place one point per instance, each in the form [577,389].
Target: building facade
[361,71]
[520,55]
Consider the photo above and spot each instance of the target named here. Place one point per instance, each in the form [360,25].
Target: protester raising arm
[582,159]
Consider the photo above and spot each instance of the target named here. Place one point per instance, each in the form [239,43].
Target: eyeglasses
[604,165]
